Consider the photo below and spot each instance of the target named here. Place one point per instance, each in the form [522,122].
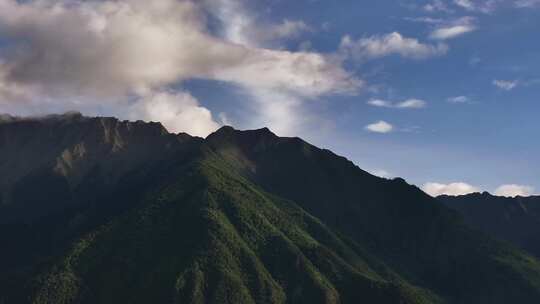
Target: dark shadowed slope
[408,229]
[516,220]
[70,156]
[241,217]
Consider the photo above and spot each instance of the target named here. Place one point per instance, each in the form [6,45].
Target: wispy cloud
[436,6]
[458,99]
[490,6]
[506,85]
[382,173]
[467,4]
[527,3]
[427,20]
[457,188]
[380,103]
[451,32]
[390,44]
[412,103]
[513,190]
[482,6]
[454,29]
[380,127]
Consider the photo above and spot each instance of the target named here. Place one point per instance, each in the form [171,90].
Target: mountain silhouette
[516,220]
[98,210]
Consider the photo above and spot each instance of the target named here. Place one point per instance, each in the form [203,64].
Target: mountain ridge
[237,217]
[514,219]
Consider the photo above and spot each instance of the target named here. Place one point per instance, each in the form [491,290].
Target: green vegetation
[248,217]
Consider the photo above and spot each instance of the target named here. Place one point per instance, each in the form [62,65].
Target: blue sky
[442,93]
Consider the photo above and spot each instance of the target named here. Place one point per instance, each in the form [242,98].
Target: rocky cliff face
[66,153]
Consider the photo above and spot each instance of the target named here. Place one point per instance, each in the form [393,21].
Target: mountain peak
[223,130]
[245,137]
[231,130]
[241,217]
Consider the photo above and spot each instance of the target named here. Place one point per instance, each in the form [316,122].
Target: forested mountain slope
[96,210]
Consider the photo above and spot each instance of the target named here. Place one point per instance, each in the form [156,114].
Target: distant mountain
[97,210]
[516,220]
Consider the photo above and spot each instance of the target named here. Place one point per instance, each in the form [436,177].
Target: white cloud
[382,173]
[461,188]
[105,55]
[412,103]
[451,32]
[467,4]
[287,29]
[380,103]
[506,85]
[483,6]
[278,107]
[436,6]
[458,188]
[241,27]
[224,119]
[458,99]
[390,44]
[527,3]
[490,6]
[454,29]
[427,20]
[513,190]
[380,127]
[177,111]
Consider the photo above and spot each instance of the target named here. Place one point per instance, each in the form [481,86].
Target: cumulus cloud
[458,188]
[89,47]
[380,127]
[179,111]
[278,106]
[506,85]
[412,103]
[102,53]
[513,190]
[390,44]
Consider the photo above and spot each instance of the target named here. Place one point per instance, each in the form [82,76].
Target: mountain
[97,210]
[516,220]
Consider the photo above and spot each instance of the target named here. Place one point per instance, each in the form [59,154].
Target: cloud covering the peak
[111,54]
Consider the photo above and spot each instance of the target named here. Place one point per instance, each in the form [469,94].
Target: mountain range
[98,210]
[513,219]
